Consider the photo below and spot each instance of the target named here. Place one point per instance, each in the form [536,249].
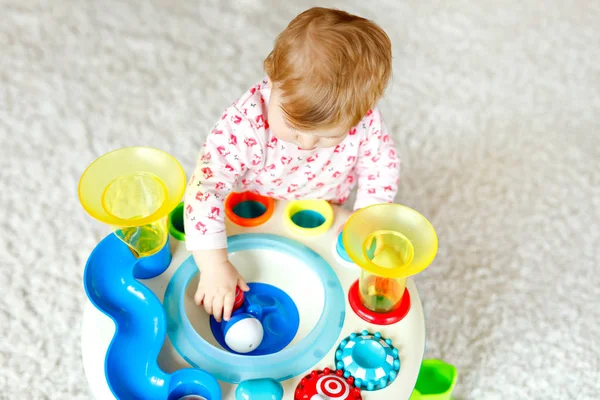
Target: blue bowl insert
[277,313]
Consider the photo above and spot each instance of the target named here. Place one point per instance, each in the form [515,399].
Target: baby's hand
[217,285]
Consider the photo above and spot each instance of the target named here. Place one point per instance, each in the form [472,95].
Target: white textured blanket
[494,106]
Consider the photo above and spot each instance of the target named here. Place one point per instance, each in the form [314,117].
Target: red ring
[378,318]
[331,393]
[308,386]
[236,198]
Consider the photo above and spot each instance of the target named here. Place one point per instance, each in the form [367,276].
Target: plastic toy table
[254,251]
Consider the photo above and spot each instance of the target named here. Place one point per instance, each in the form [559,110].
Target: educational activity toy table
[408,335]
[332,312]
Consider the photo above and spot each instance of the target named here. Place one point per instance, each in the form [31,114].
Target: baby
[309,129]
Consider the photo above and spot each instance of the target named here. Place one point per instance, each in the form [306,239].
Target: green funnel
[436,381]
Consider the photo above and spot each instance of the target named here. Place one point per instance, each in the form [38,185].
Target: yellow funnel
[133,189]
[389,242]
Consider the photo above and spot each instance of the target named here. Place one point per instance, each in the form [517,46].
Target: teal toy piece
[341,250]
[259,389]
[370,359]
[308,219]
[131,368]
[249,209]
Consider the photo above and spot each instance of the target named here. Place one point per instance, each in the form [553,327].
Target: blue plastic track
[131,369]
[289,362]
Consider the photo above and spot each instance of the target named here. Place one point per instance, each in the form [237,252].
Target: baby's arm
[378,165]
[225,158]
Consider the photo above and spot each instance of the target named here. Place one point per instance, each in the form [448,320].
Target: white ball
[245,335]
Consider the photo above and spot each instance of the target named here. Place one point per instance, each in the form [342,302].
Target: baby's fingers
[199,296]
[208,304]
[217,307]
[242,284]
[228,306]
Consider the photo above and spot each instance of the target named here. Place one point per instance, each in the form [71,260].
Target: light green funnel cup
[436,381]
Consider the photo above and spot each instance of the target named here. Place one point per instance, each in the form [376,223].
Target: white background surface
[495,109]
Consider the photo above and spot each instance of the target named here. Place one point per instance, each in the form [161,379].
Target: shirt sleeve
[378,165]
[231,149]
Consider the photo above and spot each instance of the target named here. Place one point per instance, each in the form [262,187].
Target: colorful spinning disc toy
[369,359]
[327,385]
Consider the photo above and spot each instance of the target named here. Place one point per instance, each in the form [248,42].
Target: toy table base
[408,335]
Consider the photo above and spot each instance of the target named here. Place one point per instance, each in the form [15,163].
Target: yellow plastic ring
[308,217]
[390,219]
[157,167]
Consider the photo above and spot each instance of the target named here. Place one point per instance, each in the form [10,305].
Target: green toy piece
[436,381]
[176,223]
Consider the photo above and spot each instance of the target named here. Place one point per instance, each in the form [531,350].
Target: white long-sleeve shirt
[242,154]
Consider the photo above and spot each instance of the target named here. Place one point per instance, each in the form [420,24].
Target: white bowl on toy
[291,267]
[277,269]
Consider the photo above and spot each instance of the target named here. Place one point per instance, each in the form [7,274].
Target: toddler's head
[326,70]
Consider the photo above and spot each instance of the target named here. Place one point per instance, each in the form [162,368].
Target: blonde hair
[331,67]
